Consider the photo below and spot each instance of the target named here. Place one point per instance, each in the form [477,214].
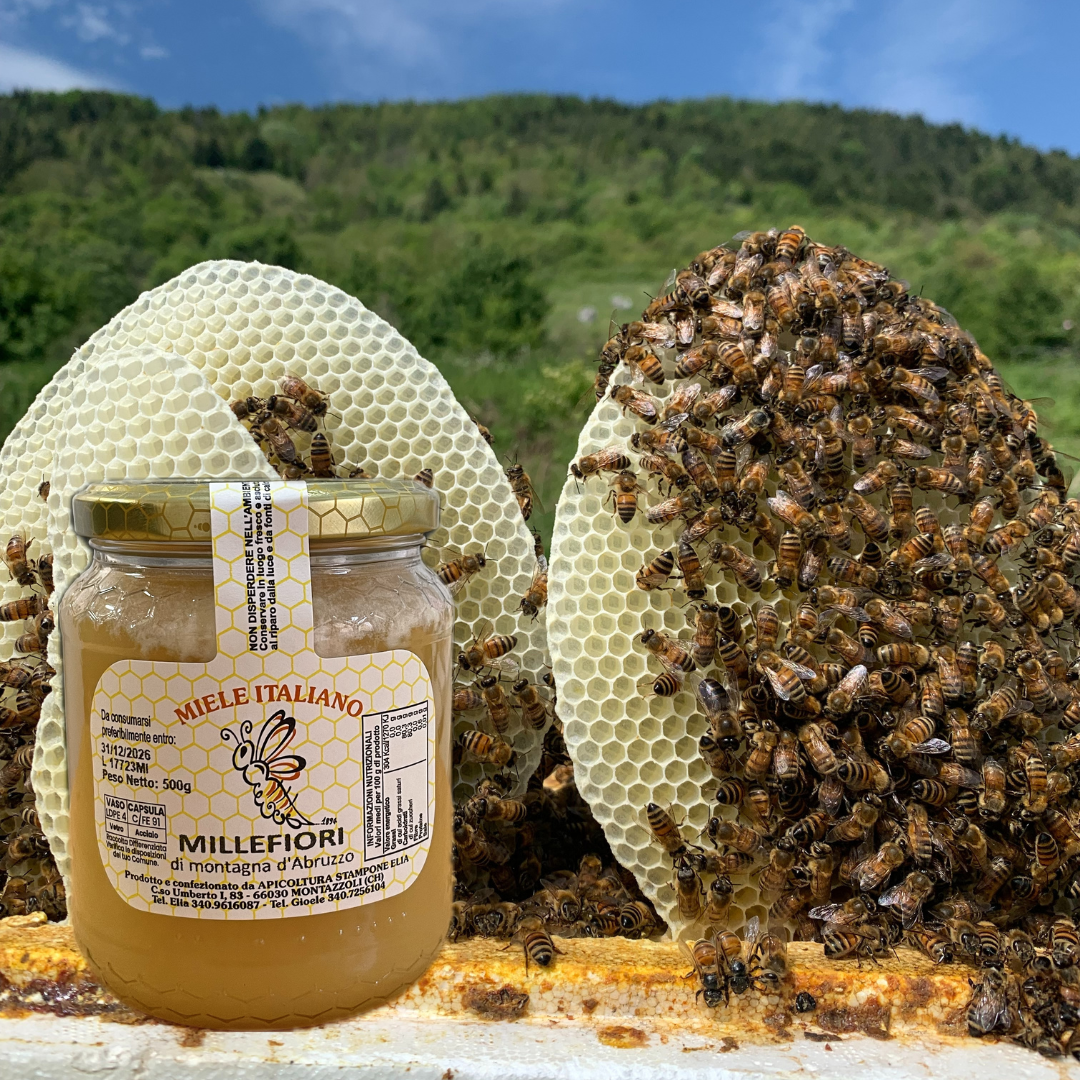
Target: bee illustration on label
[266,767]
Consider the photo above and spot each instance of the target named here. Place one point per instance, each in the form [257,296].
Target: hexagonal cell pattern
[629,747]
[146,397]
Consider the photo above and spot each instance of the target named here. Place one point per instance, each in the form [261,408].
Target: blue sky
[999,65]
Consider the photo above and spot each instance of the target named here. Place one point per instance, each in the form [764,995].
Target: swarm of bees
[29,879]
[893,702]
[278,422]
[530,869]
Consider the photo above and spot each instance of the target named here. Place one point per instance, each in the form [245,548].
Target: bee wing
[685,397]
[456,586]
[813,377]
[931,746]
[777,684]
[541,566]
[688,949]
[892,896]
[287,767]
[934,562]
[825,913]
[504,663]
[989,1007]
[672,423]
[928,393]
[752,933]
[674,668]
[934,374]
[852,611]
[801,670]
[276,734]
[854,680]
[782,502]
[726,307]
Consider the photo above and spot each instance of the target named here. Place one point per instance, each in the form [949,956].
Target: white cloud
[153,52]
[91,23]
[912,57]
[924,64]
[21,69]
[802,70]
[425,43]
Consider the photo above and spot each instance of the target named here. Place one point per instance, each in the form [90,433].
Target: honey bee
[247,408]
[644,364]
[536,595]
[498,707]
[933,944]
[489,651]
[874,523]
[655,574]
[611,459]
[24,608]
[19,566]
[659,465]
[487,749]
[706,624]
[774,874]
[292,386]
[668,651]
[534,709]
[522,487]
[741,565]
[536,942]
[689,892]
[762,747]
[789,511]
[718,903]
[43,571]
[1064,942]
[732,834]
[863,776]
[631,400]
[664,830]
[457,573]
[819,753]
[992,799]
[290,413]
[699,472]
[1037,688]
[668,510]
[273,431]
[908,897]
[874,870]
[466,699]
[740,431]
[885,472]
[719,762]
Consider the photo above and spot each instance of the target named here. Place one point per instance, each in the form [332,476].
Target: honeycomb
[147,397]
[629,748]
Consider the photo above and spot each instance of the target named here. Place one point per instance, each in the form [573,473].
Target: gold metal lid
[179,510]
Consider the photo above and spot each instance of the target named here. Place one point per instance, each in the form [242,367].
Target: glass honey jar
[257,685]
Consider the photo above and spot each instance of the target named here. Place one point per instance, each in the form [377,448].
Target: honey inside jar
[149,595]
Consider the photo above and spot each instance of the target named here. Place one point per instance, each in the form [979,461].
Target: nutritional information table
[136,827]
[396,758]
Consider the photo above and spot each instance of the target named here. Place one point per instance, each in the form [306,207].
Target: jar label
[272,781]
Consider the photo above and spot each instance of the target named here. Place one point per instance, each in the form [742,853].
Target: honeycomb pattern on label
[629,748]
[223,330]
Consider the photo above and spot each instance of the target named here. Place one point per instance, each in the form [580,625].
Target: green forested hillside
[483,228]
